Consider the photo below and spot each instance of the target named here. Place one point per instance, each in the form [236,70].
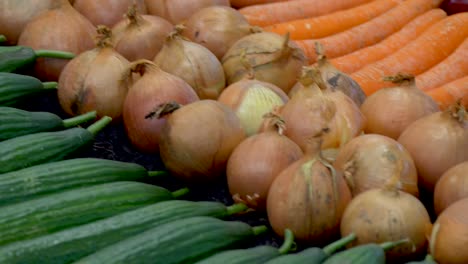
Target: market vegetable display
[15,88]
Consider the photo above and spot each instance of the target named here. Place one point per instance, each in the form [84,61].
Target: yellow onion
[216,28]
[197,140]
[369,161]
[92,80]
[194,63]
[140,36]
[60,28]
[437,142]
[274,59]
[106,12]
[309,198]
[390,110]
[451,187]
[177,11]
[152,88]
[449,236]
[256,161]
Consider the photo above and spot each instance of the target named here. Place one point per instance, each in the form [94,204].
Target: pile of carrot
[371,39]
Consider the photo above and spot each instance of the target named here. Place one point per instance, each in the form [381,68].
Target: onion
[437,142]
[92,80]
[217,28]
[256,161]
[274,58]
[449,236]
[177,11]
[153,88]
[61,28]
[308,197]
[106,12]
[194,63]
[390,110]
[369,161]
[451,187]
[140,36]
[197,140]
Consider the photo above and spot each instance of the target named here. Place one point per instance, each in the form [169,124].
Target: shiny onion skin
[106,12]
[451,187]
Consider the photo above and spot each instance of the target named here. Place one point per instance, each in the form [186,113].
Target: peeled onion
[451,187]
[107,12]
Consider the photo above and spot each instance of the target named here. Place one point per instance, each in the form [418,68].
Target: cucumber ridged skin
[363,254]
[16,57]
[14,88]
[309,256]
[182,241]
[32,182]
[77,242]
[74,207]
[255,255]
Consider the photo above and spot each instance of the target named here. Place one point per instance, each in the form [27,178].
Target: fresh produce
[15,88]
[107,12]
[77,242]
[180,241]
[449,93]
[451,187]
[74,207]
[33,149]
[2,38]
[243,3]
[427,260]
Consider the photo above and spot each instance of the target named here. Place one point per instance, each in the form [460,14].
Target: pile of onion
[192,62]
[60,28]
[148,87]
[140,36]
[256,161]
[437,142]
[92,80]
[369,161]
[451,187]
[390,110]
[106,12]
[197,139]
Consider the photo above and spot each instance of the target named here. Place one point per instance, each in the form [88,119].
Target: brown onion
[61,28]
[194,63]
[152,88]
[437,142]
[390,110]
[92,80]
[106,12]
[451,187]
[140,36]
[197,140]
[256,161]
[217,28]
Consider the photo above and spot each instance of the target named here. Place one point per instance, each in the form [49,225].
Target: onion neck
[134,18]
[402,79]
[274,122]
[104,37]
[163,110]
[458,112]
[311,76]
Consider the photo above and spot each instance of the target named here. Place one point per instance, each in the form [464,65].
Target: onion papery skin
[107,12]
[451,187]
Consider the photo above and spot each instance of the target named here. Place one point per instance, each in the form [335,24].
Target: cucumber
[15,122]
[313,255]
[2,38]
[13,58]
[74,207]
[77,242]
[31,182]
[427,260]
[15,88]
[182,241]
[255,255]
[29,150]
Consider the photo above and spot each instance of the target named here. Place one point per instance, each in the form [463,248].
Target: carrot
[453,67]
[273,13]
[369,33]
[322,26]
[451,92]
[431,47]
[354,61]
[243,3]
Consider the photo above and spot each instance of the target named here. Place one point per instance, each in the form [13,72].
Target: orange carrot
[450,93]
[369,33]
[243,3]
[354,61]
[431,47]
[453,67]
[326,25]
[273,13]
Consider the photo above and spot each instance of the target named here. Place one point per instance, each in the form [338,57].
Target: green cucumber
[15,122]
[14,88]
[77,242]
[182,241]
[255,255]
[13,58]
[313,255]
[3,38]
[427,260]
[33,149]
[31,182]
[366,254]
[75,207]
